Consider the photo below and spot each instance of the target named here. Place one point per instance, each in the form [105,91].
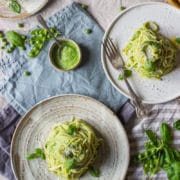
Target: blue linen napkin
[89,79]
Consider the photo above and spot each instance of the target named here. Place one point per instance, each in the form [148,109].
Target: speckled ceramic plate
[35,125]
[28,8]
[120,30]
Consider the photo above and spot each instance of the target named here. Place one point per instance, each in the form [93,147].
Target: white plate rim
[75,95]
[103,56]
[19,16]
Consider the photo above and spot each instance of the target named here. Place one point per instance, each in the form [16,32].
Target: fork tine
[112,48]
[115,48]
[106,51]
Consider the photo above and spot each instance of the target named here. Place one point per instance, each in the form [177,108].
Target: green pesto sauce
[67,57]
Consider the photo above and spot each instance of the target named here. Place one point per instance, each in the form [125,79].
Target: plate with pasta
[69,137]
[148,38]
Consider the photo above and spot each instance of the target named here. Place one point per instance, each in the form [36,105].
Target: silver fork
[114,57]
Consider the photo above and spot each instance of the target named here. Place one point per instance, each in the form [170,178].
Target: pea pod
[165,133]
[15,38]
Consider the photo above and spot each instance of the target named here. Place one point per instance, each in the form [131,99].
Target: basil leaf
[14,6]
[176,124]
[15,38]
[152,136]
[165,133]
[169,155]
[177,40]
[94,171]
[127,73]
[70,130]
[38,153]
[149,65]
[69,164]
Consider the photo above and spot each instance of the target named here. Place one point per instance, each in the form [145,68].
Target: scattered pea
[2,47]
[26,73]
[1,35]
[88,31]
[20,25]
[122,8]
[4,40]
[8,50]
[84,6]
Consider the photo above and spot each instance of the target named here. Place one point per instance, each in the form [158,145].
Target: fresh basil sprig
[14,6]
[159,154]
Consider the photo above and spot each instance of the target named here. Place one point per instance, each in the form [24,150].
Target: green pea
[122,8]
[26,73]
[4,40]
[5,43]
[8,50]
[23,48]
[20,25]
[12,46]
[2,47]
[23,37]
[48,36]
[1,35]
[88,31]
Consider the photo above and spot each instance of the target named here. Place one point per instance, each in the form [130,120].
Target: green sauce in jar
[67,57]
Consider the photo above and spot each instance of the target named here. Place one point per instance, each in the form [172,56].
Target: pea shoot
[159,154]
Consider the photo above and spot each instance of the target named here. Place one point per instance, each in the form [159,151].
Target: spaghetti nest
[149,53]
[70,148]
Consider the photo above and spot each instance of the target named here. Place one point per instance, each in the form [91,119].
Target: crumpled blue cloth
[88,79]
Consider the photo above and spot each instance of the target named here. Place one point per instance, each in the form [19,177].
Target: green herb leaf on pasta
[94,171]
[69,163]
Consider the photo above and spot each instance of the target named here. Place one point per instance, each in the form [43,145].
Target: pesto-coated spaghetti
[149,53]
[70,148]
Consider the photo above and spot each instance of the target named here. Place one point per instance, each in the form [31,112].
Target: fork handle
[136,101]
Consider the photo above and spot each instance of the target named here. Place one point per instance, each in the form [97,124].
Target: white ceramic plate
[35,125]
[120,30]
[28,8]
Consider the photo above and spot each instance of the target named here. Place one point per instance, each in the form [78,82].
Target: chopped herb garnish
[14,6]
[69,164]
[94,171]
[122,8]
[70,130]
[38,153]
[27,73]
[88,31]
[127,73]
